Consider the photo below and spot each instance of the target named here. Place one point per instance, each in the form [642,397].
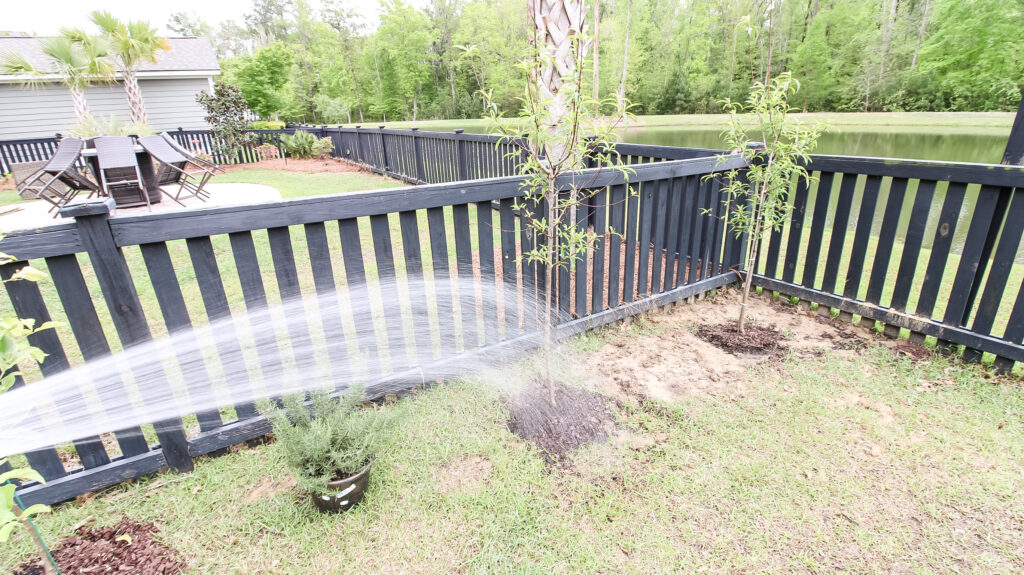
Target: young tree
[558,130]
[225,113]
[79,58]
[132,44]
[758,200]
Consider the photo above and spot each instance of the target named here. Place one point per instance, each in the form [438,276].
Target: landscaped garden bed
[848,452]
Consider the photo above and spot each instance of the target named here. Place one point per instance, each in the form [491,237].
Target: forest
[332,62]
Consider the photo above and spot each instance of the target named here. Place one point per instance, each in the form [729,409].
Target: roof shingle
[185,55]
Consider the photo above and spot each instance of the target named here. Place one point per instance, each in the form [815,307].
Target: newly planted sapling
[15,350]
[757,199]
[558,133]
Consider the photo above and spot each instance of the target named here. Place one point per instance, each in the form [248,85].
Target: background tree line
[329,64]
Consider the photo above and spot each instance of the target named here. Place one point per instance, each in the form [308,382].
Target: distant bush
[268,152]
[266,125]
[304,145]
[92,126]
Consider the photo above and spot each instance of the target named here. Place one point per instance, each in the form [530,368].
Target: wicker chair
[174,169]
[58,181]
[119,172]
[192,158]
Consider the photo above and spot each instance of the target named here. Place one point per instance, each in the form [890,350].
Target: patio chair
[58,181]
[174,169]
[119,172]
[192,158]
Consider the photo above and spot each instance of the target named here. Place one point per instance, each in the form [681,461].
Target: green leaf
[29,273]
[23,474]
[35,510]
[6,529]
[126,538]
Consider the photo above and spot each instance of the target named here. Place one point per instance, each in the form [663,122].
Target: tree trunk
[81,106]
[887,26]
[621,94]
[920,34]
[555,21]
[44,555]
[136,106]
[597,54]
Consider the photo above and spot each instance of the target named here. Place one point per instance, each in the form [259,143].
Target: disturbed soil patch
[126,547]
[465,474]
[578,417]
[757,339]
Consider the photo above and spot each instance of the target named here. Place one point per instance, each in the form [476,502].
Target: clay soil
[578,417]
[329,165]
[756,339]
[126,547]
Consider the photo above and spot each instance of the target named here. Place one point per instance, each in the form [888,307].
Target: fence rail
[926,249]
[160,274]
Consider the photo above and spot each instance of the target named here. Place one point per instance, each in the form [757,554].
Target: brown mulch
[578,417]
[758,339]
[329,165]
[96,550]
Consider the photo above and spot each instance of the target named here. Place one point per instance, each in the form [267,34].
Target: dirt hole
[758,339]
[126,547]
[578,417]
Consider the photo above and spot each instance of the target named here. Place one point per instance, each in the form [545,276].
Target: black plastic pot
[343,494]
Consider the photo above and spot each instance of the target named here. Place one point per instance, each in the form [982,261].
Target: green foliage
[262,77]
[427,60]
[266,125]
[304,145]
[225,113]
[79,58]
[92,126]
[758,199]
[132,43]
[327,439]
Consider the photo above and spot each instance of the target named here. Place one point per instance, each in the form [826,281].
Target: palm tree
[78,58]
[556,25]
[132,45]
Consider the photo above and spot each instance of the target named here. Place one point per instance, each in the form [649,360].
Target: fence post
[460,156]
[359,147]
[418,151]
[92,219]
[383,151]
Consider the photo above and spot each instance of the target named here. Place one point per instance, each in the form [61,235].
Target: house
[169,87]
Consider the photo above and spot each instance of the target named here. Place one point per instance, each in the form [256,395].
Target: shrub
[268,152]
[225,113]
[91,126]
[328,439]
[266,125]
[304,145]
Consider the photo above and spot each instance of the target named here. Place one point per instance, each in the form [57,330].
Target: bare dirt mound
[126,547]
[755,339]
[578,417]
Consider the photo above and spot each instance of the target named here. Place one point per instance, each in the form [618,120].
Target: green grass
[300,185]
[834,463]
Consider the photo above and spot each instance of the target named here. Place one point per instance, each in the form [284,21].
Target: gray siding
[170,104]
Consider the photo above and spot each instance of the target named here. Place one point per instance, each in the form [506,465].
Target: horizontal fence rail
[118,282]
[926,248]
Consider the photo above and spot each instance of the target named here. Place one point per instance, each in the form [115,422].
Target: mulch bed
[578,417]
[96,550]
[758,339]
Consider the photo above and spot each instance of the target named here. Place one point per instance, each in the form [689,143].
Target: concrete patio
[35,214]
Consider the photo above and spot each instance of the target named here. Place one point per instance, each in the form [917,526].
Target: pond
[954,146]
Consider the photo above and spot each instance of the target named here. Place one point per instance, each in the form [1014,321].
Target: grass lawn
[823,462]
[300,185]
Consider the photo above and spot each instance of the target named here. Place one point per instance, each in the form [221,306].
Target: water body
[953,146]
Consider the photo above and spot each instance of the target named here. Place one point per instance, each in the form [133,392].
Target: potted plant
[329,445]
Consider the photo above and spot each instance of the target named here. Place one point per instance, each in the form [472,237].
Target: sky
[46,17]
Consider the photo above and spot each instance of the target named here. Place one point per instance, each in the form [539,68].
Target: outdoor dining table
[149,175]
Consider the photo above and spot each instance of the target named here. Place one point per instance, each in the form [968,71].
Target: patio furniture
[174,169]
[23,171]
[192,158]
[118,171]
[58,181]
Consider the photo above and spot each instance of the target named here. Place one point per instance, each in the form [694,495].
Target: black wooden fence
[153,270]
